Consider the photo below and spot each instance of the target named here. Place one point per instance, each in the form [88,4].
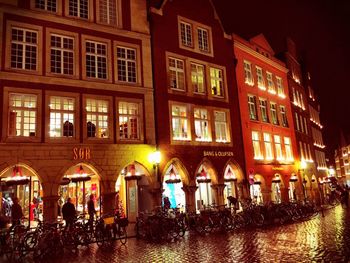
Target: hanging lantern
[229,176]
[276,179]
[65,181]
[203,177]
[80,175]
[132,174]
[294,178]
[17,177]
[173,177]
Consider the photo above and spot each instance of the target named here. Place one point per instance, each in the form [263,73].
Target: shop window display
[204,197]
[172,186]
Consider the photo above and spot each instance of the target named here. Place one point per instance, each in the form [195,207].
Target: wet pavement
[321,239]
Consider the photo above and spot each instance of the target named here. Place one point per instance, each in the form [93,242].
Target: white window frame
[110,12]
[186,134]
[202,125]
[252,108]
[263,110]
[280,88]
[273,111]
[128,115]
[178,72]
[278,148]
[270,84]
[129,63]
[203,41]
[260,78]
[288,149]
[186,34]
[257,146]
[78,16]
[222,132]
[248,75]
[217,77]
[268,147]
[46,6]
[198,78]
[283,114]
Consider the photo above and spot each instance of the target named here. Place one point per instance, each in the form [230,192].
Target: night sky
[321,30]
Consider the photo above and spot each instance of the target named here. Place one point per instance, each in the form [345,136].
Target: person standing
[68,212]
[91,208]
[16,212]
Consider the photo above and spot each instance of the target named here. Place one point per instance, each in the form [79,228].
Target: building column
[108,194]
[190,195]
[156,193]
[219,193]
[50,208]
[266,194]
[284,194]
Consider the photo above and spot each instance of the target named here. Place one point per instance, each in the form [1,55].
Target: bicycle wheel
[99,236]
[123,235]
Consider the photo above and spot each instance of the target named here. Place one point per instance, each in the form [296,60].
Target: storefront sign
[217,153]
[81,153]
[277,168]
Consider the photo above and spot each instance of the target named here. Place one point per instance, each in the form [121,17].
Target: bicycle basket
[108,220]
[122,222]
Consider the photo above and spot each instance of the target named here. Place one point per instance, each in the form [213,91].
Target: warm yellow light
[155,157]
[303,165]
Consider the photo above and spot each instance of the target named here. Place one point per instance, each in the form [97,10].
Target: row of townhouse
[133,100]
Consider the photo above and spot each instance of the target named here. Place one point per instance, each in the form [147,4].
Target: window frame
[176,58]
[255,108]
[202,120]
[278,147]
[6,111]
[257,153]
[77,117]
[228,126]
[223,81]
[266,120]
[283,114]
[269,154]
[14,24]
[75,36]
[248,72]
[280,87]
[276,113]
[58,7]
[261,85]
[90,11]
[188,139]
[271,87]
[111,132]
[197,65]
[195,38]
[119,13]
[84,39]
[140,105]
[290,151]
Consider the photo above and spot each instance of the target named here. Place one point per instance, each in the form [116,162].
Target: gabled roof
[261,41]
[159,4]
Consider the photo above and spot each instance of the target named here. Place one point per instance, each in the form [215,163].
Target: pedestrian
[91,208]
[16,212]
[68,212]
[166,202]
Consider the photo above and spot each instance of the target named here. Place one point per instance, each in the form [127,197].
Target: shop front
[173,188]
[21,182]
[256,194]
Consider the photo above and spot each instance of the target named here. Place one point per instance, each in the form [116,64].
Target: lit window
[305,125]
[248,73]
[203,39]
[24,49]
[97,118]
[176,74]
[288,149]
[126,63]
[302,155]
[280,88]
[268,146]
[297,121]
[79,8]
[62,55]
[216,81]
[270,84]
[273,110]
[22,115]
[278,147]
[201,125]
[197,78]
[96,60]
[260,78]
[108,12]
[221,133]
[263,110]
[283,116]
[256,145]
[48,5]
[61,116]
[302,105]
[129,120]
[180,123]
[186,34]
[252,107]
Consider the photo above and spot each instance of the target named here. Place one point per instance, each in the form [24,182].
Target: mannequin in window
[68,129]
[91,129]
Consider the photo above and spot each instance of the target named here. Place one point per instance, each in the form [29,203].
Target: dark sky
[321,29]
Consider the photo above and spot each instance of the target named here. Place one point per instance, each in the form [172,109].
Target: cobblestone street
[321,239]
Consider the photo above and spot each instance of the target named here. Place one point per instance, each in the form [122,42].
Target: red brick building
[266,118]
[197,113]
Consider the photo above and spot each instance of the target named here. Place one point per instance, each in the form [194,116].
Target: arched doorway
[204,195]
[79,182]
[276,187]
[233,184]
[21,182]
[132,191]
[292,188]
[255,182]
[172,186]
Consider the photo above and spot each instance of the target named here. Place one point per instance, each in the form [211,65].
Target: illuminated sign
[81,153]
[217,153]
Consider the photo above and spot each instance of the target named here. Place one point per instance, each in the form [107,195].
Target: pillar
[50,209]
[108,195]
[190,195]
[219,193]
